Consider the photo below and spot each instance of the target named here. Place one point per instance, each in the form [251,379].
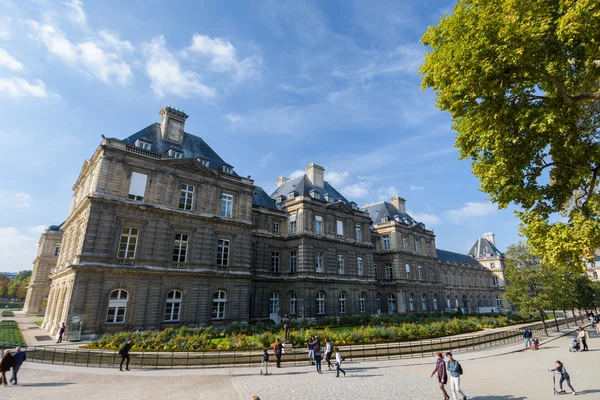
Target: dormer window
[278,200]
[328,198]
[353,205]
[290,195]
[175,153]
[202,161]
[315,195]
[384,219]
[228,169]
[142,144]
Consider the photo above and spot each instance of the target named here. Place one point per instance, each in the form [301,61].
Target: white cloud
[10,199]
[106,66]
[4,28]
[222,56]
[470,210]
[416,187]
[297,173]
[112,40]
[19,87]
[266,159]
[386,193]
[234,118]
[336,178]
[18,250]
[38,229]
[76,14]
[427,218]
[166,75]
[356,191]
[8,61]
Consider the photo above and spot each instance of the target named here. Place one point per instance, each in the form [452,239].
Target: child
[574,345]
[564,376]
[265,362]
[536,344]
[338,362]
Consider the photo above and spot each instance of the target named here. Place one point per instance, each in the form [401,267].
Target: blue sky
[270,85]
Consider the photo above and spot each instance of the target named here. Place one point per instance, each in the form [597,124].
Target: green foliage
[7,313]
[520,80]
[15,288]
[9,333]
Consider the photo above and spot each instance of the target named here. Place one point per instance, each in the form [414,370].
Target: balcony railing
[140,151]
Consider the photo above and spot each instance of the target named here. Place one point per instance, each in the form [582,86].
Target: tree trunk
[566,318]
[544,322]
[580,315]
[555,320]
[574,317]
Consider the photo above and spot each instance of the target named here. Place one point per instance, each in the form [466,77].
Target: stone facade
[163,232]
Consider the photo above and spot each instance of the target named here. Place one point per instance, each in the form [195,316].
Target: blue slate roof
[303,186]
[260,198]
[452,257]
[484,248]
[377,211]
[191,147]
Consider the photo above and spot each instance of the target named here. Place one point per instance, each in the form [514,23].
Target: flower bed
[9,333]
[244,336]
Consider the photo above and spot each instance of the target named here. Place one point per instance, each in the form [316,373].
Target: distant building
[163,232]
[594,267]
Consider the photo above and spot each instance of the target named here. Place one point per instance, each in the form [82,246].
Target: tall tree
[520,79]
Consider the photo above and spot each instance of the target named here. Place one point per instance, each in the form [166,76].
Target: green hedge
[9,332]
[7,313]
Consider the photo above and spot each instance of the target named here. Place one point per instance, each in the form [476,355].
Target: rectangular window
[203,161]
[340,229]
[227,169]
[359,266]
[357,235]
[292,224]
[407,269]
[495,281]
[417,245]
[290,195]
[57,250]
[293,303]
[446,277]
[340,264]
[319,262]
[175,153]
[186,196]
[420,273]
[137,186]
[318,225]
[180,248]
[386,242]
[275,261]
[376,271]
[498,301]
[404,243]
[226,205]
[428,247]
[293,257]
[276,228]
[128,243]
[143,144]
[492,265]
[223,252]
[388,271]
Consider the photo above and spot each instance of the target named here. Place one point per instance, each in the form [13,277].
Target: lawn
[9,333]
[39,323]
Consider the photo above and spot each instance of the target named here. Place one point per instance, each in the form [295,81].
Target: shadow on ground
[507,396]
[47,384]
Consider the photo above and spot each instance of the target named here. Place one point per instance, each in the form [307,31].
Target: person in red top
[440,369]
[277,350]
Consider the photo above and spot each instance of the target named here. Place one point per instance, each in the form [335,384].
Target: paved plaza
[499,373]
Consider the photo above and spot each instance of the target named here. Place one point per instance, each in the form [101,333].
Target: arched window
[274,303]
[362,302]
[423,302]
[411,302]
[117,306]
[219,304]
[173,306]
[342,302]
[293,300]
[435,303]
[320,303]
[391,303]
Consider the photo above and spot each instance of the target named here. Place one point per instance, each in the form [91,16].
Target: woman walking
[277,350]
[583,337]
[564,376]
[317,351]
[440,369]
[5,365]
[328,352]
[338,362]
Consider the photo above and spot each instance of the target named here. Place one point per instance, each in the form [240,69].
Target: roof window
[175,153]
[142,144]
[203,161]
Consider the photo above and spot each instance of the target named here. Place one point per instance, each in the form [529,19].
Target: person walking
[310,344]
[564,376]
[6,363]
[338,362]
[440,370]
[456,371]
[124,353]
[583,338]
[265,362]
[317,352]
[328,353]
[61,332]
[278,350]
[527,336]
[597,324]
[18,358]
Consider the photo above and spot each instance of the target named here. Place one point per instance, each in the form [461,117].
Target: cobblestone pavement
[493,374]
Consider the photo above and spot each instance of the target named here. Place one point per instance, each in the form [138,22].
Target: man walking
[124,352]
[455,370]
[527,336]
[18,359]
[61,331]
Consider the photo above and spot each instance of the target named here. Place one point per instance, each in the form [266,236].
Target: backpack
[459,369]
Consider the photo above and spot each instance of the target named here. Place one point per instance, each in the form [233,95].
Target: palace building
[163,232]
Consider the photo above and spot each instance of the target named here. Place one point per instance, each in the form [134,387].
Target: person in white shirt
[338,362]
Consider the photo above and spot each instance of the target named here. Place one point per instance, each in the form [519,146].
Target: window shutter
[137,187]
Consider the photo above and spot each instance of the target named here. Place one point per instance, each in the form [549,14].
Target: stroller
[574,345]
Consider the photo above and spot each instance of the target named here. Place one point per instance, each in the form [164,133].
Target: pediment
[190,164]
[339,206]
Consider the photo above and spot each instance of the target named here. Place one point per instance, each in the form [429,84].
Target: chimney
[399,202]
[490,237]
[281,180]
[172,124]
[316,175]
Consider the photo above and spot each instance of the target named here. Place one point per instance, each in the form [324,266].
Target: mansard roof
[191,147]
[303,186]
[484,248]
[458,258]
[260,198]
[383,209]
